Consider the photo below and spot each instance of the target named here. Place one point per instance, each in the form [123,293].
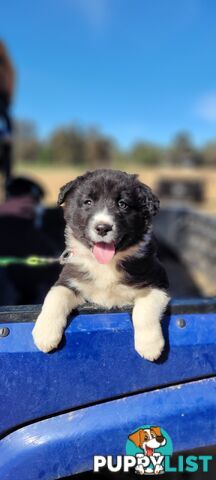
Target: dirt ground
[52,178]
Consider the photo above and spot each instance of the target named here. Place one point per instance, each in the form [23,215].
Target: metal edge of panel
[65,444]
[29,313]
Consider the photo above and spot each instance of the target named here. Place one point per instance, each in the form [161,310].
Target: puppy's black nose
[103,228]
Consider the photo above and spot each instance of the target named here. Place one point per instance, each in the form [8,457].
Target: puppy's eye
[88,202]
[122,205]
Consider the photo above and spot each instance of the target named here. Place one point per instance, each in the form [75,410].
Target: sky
[136,69]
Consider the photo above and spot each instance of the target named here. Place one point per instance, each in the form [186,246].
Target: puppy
[110,259]
[148,440]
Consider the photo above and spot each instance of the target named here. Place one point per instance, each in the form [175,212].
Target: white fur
[152,442]
[102,216]
[52,320]
[105,287]
[147,313]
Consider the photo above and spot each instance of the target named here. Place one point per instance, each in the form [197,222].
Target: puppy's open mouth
[104,252]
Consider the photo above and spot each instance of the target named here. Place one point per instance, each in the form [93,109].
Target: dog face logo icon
[149,444]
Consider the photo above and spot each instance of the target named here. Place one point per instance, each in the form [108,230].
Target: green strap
[31,261]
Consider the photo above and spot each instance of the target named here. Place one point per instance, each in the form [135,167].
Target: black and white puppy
[110,259]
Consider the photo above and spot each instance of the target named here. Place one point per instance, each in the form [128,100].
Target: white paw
[149,347]
[149,470]
[46,334]
[139,469]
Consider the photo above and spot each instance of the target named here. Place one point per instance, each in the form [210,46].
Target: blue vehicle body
[60,409]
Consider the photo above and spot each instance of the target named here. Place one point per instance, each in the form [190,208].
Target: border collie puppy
[110,259]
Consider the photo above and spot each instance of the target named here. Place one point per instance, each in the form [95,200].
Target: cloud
[206,107]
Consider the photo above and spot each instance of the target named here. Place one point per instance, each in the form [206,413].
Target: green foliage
[183,152]
[67,146]
[146,154]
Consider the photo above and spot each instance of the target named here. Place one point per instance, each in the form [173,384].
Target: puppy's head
[148,439]
[108,211]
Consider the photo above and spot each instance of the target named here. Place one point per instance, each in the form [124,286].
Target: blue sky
[137,69]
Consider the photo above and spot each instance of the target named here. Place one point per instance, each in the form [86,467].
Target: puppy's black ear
[148,200]
[68,188]
[64,191]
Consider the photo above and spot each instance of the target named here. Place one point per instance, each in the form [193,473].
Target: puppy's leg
[50,324]
[147,313]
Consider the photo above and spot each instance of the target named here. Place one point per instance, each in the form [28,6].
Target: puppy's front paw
[46,335]
[148,346]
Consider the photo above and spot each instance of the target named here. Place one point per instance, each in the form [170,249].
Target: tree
[26,142]
[98,149]
[146,154]
[67,146]
[183,152]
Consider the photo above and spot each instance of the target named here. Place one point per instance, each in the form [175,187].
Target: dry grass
[52,178]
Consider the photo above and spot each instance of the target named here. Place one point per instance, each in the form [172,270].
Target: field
[54,177]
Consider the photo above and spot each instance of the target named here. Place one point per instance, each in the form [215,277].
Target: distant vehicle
[181,189]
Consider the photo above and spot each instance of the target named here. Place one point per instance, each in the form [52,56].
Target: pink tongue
[104,252]
[149,451]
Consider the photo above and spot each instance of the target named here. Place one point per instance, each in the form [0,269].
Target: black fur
[144,269]
[105,188]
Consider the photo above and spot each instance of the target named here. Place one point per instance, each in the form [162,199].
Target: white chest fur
[105,285]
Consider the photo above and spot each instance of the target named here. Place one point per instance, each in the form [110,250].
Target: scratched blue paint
[65,444]
[96,362]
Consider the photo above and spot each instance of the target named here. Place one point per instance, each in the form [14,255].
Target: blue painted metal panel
[96,362]
[65,444]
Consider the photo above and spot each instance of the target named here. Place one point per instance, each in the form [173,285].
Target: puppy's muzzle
[103,229]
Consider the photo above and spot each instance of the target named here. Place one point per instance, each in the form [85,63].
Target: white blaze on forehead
[103,216]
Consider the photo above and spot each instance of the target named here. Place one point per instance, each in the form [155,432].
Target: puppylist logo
[148,452]
[149,445]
